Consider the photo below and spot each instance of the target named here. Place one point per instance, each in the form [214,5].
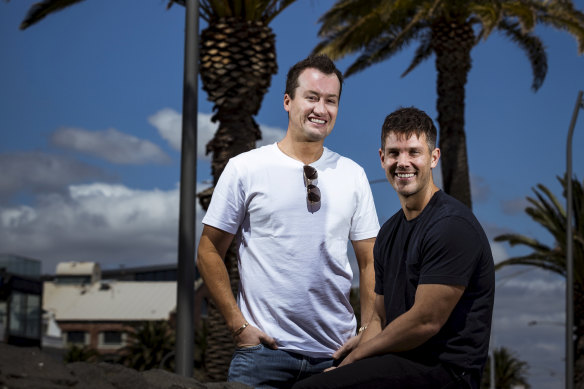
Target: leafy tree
[547,211]
[509,371]
[78,353]
[148,346]
[449,29]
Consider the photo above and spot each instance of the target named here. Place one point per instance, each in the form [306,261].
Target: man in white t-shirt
[291,207]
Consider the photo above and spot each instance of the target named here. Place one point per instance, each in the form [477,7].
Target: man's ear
[287,100]
[435,157]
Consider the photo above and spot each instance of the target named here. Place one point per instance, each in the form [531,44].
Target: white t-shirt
[295,276]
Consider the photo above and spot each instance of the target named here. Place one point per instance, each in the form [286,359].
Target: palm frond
[489,14]
[39,11]
[353,37]
[355,25]
[551,263]
[423,52]
[525,12]
[547,211]
[381,49]
[533,48]
[518,239]
[563,16]
[274,8]
[343,13]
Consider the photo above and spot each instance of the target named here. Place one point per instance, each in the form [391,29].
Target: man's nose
[319,107]
[402,160]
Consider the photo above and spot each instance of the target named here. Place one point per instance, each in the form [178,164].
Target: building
[86,306]
[20,300]
[100,314]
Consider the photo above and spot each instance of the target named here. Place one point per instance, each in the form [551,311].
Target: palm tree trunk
[452,45]
[238,59]
[235,135]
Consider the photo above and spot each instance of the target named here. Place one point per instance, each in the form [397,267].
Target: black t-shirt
[445,244]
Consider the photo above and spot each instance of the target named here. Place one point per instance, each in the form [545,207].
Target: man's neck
[305,152]
[415,204]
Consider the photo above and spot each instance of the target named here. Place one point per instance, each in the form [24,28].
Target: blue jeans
[262,367]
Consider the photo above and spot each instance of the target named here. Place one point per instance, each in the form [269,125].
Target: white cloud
[109,224]
[168,122]
[514,206]
[498,251]
[38,172]
[270,135]
[111,145]
[528,318]
[479,188]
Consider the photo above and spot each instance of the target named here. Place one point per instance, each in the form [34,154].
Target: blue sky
[90,105]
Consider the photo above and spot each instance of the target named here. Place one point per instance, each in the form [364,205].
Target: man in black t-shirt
[434,280]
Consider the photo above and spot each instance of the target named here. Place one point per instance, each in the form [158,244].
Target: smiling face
[313,110]
[408,164]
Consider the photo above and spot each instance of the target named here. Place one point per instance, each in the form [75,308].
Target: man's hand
[347,347]
[348,359]
[252,336]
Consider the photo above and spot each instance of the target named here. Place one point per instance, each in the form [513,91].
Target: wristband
[363,328]
[240,329]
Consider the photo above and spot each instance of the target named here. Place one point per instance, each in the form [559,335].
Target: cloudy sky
[90,121]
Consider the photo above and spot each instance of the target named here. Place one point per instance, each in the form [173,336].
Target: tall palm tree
[449,29]
[509,371]
[237,61]
[547,211]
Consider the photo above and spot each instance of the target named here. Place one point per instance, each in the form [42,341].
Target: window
[25,316]
[111,339]
[76,337]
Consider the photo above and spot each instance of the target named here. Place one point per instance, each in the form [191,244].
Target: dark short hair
[408,121]
[319,62]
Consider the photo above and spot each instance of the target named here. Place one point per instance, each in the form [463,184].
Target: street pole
[569,253]
[185,334]
[492,376]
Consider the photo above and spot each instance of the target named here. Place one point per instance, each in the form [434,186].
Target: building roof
[77,268]
[110,301]
[23,266]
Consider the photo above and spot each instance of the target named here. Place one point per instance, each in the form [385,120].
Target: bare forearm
[364,254]
[402,334]
[373,329]
[217,281]
[366,293]
[212,248]
[431,310]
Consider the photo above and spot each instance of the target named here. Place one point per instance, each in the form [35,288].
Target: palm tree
[80,353]
[148,346]
[450,29]
[547,211]
[238,59]
[509,371]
